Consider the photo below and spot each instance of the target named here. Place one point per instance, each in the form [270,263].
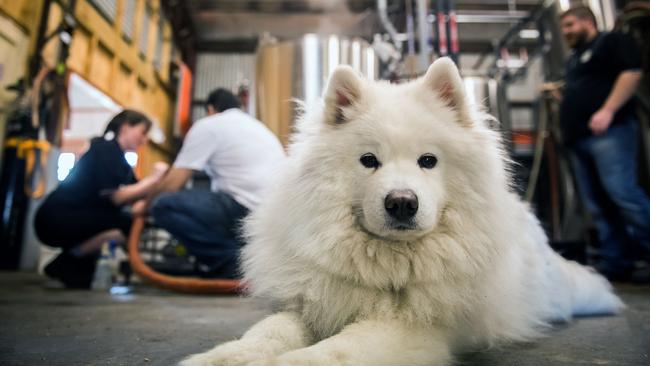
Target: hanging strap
[27,149]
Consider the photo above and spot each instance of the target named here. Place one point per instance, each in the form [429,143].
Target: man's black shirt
[591,72]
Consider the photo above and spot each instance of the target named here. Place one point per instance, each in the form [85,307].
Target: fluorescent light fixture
[356,55]
[131,158]
[332,54]
[529,33]
[345,51]
[310,66]
[64,165]
[564,4]
[370,63]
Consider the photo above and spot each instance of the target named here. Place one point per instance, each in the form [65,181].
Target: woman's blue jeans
[605,165]
[207,223]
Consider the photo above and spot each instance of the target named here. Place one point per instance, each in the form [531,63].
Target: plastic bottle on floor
[103,278]
[121,269]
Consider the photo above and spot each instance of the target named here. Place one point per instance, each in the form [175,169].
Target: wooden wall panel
[80,52]
[116,68]
[26,14]
[13,52]
[124,81]
[100,54]
[101,68]
[273,88]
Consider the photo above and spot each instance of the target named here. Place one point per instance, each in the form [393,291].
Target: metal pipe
[410,27]
[382,9]
[533,18]
[487,16]
[423,31]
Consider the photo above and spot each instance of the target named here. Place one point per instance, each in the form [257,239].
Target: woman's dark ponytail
[127,116]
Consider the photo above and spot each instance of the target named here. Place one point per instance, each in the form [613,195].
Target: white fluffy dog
[393,237]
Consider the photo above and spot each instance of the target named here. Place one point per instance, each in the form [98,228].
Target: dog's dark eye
[369,161]
[427,161]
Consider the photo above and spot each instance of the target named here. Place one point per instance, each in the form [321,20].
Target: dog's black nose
[401,204]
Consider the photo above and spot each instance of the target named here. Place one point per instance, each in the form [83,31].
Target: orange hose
[180,284]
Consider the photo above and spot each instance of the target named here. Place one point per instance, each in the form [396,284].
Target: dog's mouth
[390,230]
[408,226]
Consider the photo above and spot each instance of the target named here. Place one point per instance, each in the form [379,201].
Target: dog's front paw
[199,359]
[229,354]
[269,361]
[297,358]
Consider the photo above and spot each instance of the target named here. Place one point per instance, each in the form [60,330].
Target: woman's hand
[142,189]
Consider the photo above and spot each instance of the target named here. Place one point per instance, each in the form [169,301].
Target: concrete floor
[40,326]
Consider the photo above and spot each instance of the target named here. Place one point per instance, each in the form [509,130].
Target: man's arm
[624,87]
[173,181]
[134,192]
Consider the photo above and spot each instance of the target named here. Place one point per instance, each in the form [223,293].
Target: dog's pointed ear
[444,79]
[343,92]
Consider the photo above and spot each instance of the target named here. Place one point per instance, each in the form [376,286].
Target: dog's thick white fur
[360,286]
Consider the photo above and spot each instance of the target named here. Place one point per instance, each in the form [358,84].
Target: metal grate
[164,253]
[108,8]
[128,19]
[143,43]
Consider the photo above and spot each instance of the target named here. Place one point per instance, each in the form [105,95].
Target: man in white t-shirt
[239,153]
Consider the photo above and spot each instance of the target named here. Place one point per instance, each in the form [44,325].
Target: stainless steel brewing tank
[489,95]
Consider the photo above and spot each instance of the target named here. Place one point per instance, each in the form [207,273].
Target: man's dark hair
[127,116]
[222,99]
[581,12]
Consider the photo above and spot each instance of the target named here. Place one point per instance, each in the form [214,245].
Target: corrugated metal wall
[226,70]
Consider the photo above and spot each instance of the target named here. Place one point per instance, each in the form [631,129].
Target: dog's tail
[590,293]
[573,289]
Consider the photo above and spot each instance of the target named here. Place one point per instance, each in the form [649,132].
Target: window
[128,19]
[160,38]
[65,164]
[144,31]
[107,8]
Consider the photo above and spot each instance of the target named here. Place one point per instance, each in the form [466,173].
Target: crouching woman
[90,207]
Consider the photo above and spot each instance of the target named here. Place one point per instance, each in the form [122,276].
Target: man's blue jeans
[207,223]
[605,165]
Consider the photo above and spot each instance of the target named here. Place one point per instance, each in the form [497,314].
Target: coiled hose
[174,283]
